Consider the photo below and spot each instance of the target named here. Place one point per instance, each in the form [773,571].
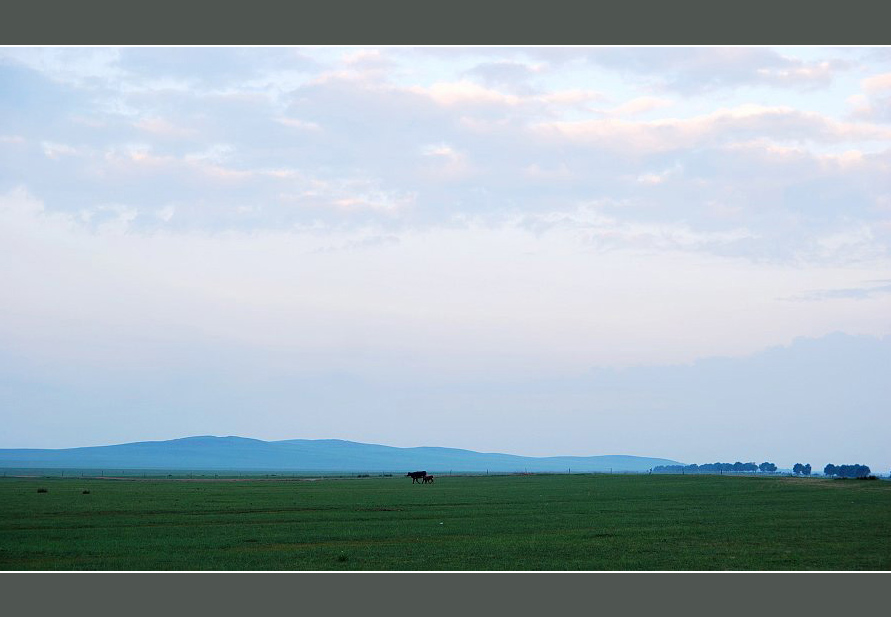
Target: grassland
[536,522]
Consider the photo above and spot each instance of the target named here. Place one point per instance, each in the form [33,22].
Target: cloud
[514,296]
[573,98]
[875,103]
[299,124]
[877,83]
[77,66]
[742,122]
[161,127]
[692,71]
[512,76]
[424,139]
[55,151]
[466,93]
[166,213]
[638,106]
[849,293]
[610,233]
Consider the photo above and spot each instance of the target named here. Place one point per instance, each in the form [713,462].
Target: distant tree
[846,471]
[668,468]
[720,467]
[853,471]
[798,468]
[806,470]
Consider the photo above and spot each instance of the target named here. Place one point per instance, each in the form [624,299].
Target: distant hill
[242,454]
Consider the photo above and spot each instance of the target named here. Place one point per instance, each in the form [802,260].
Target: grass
[536,522]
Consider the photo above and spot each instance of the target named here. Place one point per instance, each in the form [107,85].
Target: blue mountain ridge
[244,454]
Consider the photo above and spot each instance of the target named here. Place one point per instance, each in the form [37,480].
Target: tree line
[840,471]
[716,468]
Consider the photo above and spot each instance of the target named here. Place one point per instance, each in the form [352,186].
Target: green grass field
[536,522]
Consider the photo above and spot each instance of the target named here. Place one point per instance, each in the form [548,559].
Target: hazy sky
[529,250]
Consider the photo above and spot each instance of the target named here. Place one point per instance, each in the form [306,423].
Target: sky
[678,252]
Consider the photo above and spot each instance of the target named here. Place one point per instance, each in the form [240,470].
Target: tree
[798,468]
[847,471]
[853,471]
[806,470]
[765,466]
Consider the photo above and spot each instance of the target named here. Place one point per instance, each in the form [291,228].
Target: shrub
[41,490]
[86,493]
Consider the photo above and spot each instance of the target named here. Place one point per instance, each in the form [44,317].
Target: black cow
[416,475]
[428,479]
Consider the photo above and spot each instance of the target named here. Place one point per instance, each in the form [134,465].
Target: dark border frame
[459,22]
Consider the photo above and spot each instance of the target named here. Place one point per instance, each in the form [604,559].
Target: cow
[428,479]
[416,476]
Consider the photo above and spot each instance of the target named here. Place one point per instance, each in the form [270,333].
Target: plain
[516,522]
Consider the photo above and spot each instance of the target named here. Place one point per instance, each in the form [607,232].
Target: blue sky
[327,242]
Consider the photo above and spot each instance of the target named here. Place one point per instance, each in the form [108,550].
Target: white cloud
[377,200]
[698,70]
[299,124]
[160,126]
[457,299]
[465,93]
[572,97]
[638,105]
[877,83]
[780,123]
[656,178]
[54,151]
[166,213]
